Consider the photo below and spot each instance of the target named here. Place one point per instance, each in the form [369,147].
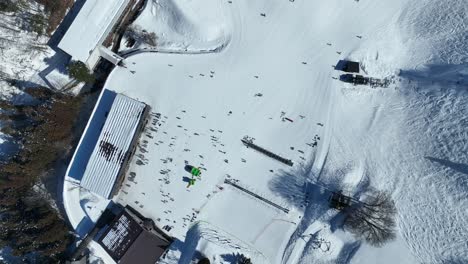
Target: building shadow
[65,25]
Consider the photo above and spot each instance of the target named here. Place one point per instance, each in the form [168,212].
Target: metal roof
[127,241]
[113,145]
[120,236]
[146,249]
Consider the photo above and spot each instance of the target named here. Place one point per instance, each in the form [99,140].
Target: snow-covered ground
[26,57]
[274,60]
[21,52]
[184,25]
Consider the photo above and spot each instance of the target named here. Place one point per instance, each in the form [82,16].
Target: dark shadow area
[229,258]
[22,84]
[292,185]
[84,227]
[455,260]
[233,258]
[8,148]
[188,168]
[301,189]
[442,74]
[59,61]
[348,251]
[65,25]
[459,167]
[186,179]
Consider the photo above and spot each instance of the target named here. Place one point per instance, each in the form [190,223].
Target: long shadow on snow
[458,177]
[439,74]
[459,167]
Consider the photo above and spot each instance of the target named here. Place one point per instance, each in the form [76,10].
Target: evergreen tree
[79,71]
[29,224]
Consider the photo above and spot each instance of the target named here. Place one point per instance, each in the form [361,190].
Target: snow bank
[182,25]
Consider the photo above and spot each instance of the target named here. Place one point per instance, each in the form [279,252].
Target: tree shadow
[230,258]
[301,186]
[459,167]
[292,185]
[455,260]
[441,74]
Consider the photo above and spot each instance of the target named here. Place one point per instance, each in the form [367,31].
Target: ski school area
[179,168]
[184,139]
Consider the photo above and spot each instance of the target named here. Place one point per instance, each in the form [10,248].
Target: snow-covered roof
[91,26]
[115,120]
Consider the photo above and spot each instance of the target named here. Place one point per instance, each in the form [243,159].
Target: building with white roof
[91,27]
[107,142]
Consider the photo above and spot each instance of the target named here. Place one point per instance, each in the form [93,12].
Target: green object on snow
[195,171]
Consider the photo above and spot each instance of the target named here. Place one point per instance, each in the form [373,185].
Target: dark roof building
[131,239]
[347,66]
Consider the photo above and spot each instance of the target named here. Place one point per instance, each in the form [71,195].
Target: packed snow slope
[410,139]
[182,28]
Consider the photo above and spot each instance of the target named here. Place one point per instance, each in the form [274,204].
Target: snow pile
[184,24]
[422,33]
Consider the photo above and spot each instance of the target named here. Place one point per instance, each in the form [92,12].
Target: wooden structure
[363,80]
[347,66]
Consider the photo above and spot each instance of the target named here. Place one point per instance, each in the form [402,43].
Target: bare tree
[372,219]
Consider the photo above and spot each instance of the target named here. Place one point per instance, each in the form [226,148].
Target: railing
[235,185]
[248,142]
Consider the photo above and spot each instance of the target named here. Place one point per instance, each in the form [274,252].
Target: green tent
[195,171]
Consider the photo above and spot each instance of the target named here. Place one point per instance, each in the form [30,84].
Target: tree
[79,71]
[139,35]
[372,219]
[29,223]
[38,23]
[204,261]
[8,6]
[244,260]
